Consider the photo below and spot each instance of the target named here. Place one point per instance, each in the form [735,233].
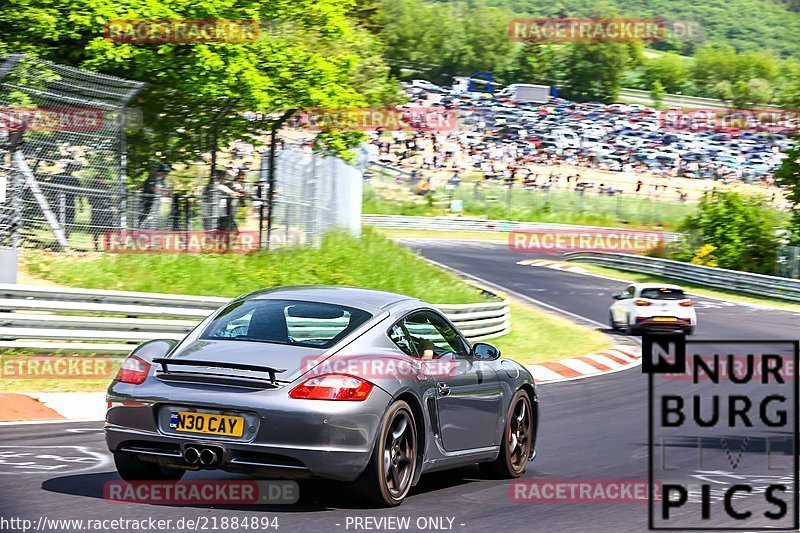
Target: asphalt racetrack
[592,431]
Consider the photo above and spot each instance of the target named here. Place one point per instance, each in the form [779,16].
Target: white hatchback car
[652,307]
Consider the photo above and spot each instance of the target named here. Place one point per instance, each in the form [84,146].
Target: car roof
[366,299]
[641,286]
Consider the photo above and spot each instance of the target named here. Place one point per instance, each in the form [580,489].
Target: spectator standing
[68,193]
[153,185]
[101,216]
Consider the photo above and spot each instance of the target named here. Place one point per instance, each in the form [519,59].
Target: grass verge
[566,207]
[537,336]
[393,233]
[371,261]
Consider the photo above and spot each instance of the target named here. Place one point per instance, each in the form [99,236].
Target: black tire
[396,446]
[517,440]
[689,330]
[629,329]
[131,468]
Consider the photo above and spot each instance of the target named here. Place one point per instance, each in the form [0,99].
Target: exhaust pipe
[191,455]
[208,457]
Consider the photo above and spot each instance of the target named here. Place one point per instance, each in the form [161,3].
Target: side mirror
[619,296]
[153,349]
[482,351]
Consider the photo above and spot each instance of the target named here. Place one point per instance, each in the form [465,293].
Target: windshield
[663,294]
[291,322]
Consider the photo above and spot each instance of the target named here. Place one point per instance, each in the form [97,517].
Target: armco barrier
[468,224]
[53,318]
[744,282]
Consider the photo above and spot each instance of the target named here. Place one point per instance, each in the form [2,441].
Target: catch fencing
[731,280]
[500,199]
[61,128]
[63,173]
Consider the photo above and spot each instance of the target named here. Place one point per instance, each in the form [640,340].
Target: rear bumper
[649,324]
[258,460]
[287,438]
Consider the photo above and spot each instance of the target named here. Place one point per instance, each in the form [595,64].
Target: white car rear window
[663,294]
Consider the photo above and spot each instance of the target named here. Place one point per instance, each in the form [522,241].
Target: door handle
[443,388]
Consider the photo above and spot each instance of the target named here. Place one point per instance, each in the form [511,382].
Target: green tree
[747,94]
[788,175]
[668,69]
[712,65]
[446,39]
[788,84]
[742,229]
[723,90]
[657,94]
[536,62]
[593,71]
[309,53]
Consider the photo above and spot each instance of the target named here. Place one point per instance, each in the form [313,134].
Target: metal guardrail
[787,289]
[54,318]
[467,224]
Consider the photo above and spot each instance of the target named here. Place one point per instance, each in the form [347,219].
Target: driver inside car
[425,348]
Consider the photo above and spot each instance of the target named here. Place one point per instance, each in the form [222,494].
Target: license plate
[207,424]
[664,319]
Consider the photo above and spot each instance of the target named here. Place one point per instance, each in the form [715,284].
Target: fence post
[9,255]
[215,197]
[123,166]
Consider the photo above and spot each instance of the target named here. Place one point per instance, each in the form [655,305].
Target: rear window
[663,294]
[311,324]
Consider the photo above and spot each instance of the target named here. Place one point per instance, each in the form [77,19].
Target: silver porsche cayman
[365,387]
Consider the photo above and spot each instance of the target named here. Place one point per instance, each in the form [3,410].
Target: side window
[630,291]
[401,340]
[432,334]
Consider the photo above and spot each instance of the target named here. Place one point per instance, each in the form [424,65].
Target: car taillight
[333,387]
[641,302]
[687,303]
[133,370]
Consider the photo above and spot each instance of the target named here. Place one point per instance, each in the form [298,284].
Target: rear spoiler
[165,361]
